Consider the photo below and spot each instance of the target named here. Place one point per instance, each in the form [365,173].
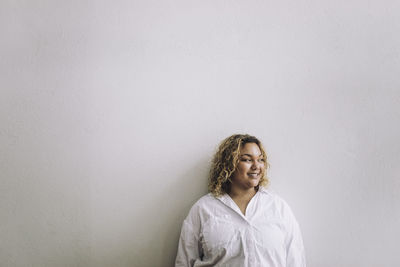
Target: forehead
[251,149]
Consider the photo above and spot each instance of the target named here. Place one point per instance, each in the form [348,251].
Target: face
[250,167]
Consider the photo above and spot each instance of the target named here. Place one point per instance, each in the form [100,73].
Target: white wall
[111,111]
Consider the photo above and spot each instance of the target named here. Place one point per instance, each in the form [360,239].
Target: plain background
[110,112]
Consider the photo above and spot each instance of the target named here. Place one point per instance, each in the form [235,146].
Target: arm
[189,248]
[295,254]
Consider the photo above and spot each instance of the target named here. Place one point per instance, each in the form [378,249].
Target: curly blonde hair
[225,161]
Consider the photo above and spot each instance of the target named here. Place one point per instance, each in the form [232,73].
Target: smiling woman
[240,222]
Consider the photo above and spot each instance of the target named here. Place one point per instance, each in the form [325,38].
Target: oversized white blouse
[216,233]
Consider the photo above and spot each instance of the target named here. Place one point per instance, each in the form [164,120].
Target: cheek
[263,169]
[242,167]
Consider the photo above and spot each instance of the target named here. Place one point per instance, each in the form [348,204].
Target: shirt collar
[225,198]
[228,201]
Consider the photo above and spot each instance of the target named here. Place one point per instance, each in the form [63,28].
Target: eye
[261,160]
[246,160]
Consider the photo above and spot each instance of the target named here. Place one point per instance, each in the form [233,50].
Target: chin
[255,183]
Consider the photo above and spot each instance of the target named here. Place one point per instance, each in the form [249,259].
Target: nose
[255,165]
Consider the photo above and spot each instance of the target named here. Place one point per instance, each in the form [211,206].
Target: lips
[253,174]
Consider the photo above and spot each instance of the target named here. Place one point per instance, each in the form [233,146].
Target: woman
[240,222]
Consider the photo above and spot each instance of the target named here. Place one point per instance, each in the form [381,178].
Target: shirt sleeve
[295,254]
[189,249]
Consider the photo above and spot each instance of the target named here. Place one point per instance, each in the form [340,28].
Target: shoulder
[275,200]
[200,206]
[204,201]
[270,194]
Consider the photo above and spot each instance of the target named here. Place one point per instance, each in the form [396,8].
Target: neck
[240,193]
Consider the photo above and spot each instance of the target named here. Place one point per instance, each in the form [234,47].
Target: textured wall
[110,112]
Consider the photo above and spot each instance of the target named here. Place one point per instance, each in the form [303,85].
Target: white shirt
[216,233]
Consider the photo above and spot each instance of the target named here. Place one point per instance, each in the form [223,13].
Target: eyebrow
[250,155]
